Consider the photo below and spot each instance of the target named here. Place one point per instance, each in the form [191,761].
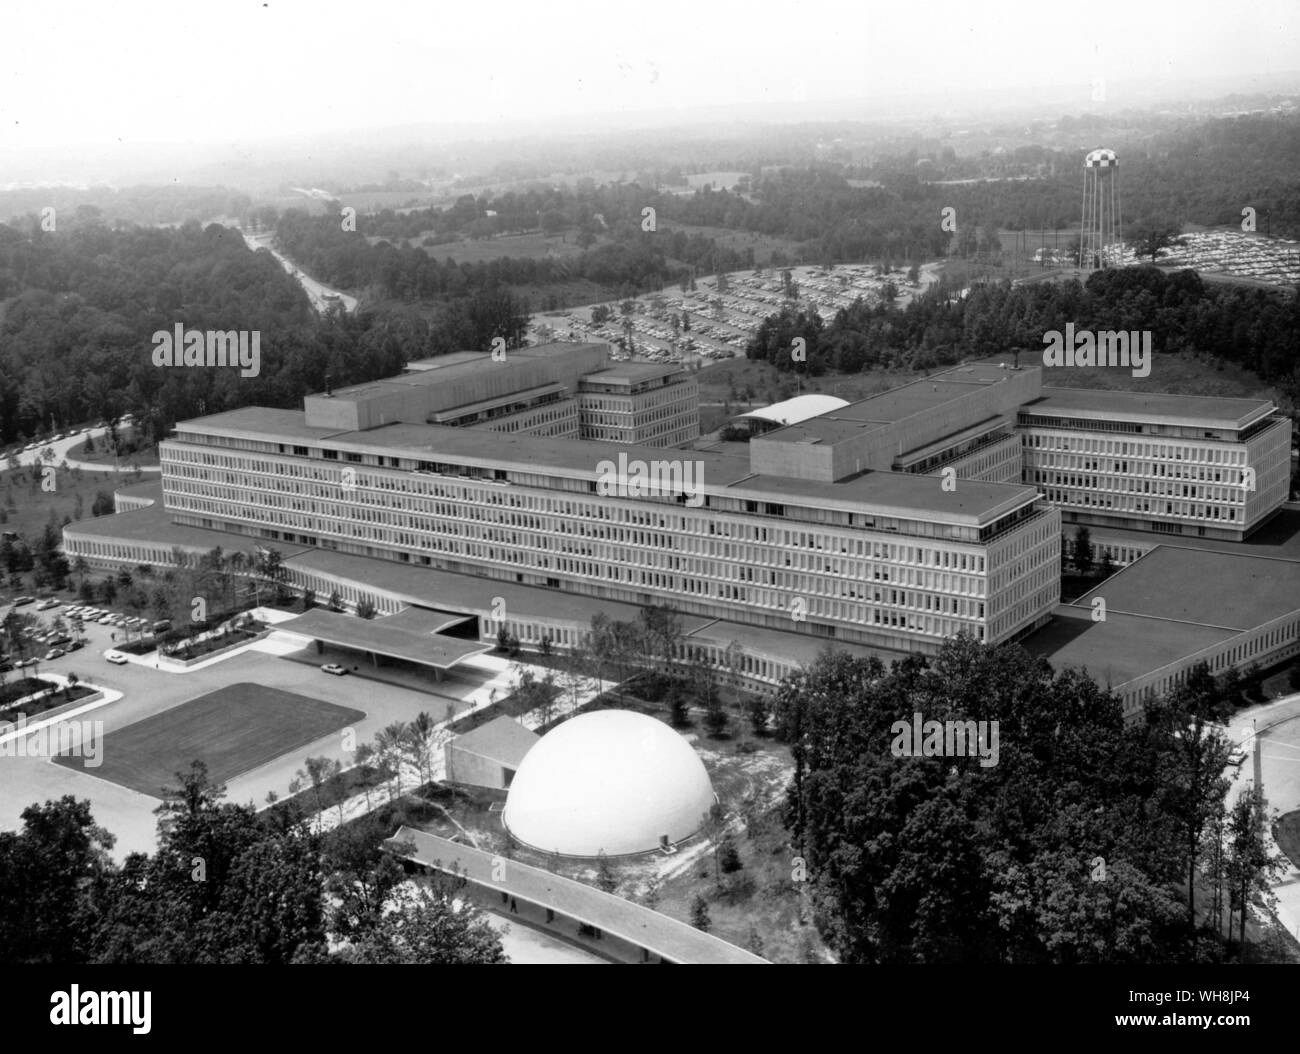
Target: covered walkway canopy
[671,940]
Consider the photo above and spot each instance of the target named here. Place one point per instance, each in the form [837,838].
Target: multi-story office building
[648,404]
[893,522]
[1174,464]
[566,391]
[876,557]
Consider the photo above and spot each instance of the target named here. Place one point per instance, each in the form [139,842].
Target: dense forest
[1075,847]
[226,885]
[1253,328]
[78,308]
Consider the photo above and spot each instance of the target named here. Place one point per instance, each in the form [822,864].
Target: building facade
[650,405]
[1180,465]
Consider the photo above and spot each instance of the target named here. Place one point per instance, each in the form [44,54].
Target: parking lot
[1235,253]
[722,323]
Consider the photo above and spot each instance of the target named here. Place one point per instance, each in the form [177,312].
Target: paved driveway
[1278,725]
[129,814]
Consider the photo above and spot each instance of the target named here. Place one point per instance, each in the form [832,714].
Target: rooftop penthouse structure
[564,390]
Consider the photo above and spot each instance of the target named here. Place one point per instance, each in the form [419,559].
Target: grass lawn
[231,730]
[532,246]
[145,458]
[27,505]
[763,245]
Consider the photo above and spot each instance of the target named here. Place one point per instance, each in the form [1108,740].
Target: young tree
[1251,867]
[606,880]
[1082,552]
[678,703]
[728,856]
[700,913]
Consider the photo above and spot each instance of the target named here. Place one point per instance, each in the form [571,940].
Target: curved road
[62,447]
[316,291]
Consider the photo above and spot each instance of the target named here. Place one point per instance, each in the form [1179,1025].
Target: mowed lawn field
[232,730]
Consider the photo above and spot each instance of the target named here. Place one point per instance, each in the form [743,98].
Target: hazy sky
[195,71]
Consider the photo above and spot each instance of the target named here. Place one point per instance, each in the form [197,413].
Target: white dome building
[611,781]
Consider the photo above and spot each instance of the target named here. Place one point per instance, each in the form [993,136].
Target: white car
[115,657]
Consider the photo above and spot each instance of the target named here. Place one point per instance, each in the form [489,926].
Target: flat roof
[1120,649]
[153,523]
[502,739]
[258,422]
[523,394]
[897,494]
[632,372]
[906,400]
[1203,587]
[966,434]
[437,362]
[1150,407]
[1278,537]
[640,926]
[412,635]
[466,363]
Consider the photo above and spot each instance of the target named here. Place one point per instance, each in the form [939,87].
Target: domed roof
[797,410]
[611,781]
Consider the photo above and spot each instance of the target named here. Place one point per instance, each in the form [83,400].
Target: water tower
[1099,238]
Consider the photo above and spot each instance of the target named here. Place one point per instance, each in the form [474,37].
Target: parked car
[46,605]
[25,662]
[54,653]
[115,657]
[73,645]
[21,601]
[334,668]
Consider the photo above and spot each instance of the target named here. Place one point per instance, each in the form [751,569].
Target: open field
[232,730]
[27,507]
[532,246]
[763,245]
[99,456]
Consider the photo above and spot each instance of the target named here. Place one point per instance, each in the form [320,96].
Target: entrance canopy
[415,635]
